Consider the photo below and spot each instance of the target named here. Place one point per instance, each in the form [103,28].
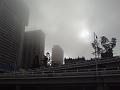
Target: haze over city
[58,44]
[71,23]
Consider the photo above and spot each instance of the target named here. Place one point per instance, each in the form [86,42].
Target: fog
[64,21]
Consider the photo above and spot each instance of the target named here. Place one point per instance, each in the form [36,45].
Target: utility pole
[96,57]
[96,50]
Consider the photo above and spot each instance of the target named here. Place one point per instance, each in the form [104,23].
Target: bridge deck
[106,76]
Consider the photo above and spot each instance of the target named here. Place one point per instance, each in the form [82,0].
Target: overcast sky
[71,23]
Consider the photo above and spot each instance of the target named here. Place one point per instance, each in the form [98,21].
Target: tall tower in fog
[57,55]
[33,51]
[13,19]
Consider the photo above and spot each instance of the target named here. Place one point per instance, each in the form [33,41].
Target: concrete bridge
[102,79]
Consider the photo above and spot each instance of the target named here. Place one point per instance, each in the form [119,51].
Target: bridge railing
[77,72]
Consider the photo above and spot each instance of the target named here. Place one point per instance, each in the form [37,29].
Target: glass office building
[13,19]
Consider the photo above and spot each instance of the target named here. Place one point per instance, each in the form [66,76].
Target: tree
[106,47]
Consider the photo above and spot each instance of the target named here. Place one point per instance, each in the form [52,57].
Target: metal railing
[63,71]
[66,73]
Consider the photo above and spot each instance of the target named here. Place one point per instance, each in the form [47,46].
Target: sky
[71,23]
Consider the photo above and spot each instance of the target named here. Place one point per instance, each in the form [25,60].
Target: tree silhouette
[104,48]
[108,46]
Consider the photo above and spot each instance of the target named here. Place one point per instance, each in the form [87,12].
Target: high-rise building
[57,55]
[13,19]
[33,51]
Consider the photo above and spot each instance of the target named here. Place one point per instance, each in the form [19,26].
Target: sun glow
[84,35]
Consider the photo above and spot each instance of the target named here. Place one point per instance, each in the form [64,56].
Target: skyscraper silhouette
[57,55]
[33,51]
[13,19]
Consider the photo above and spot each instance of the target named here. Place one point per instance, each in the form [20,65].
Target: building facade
[13,19]
[33,51]
[57,55]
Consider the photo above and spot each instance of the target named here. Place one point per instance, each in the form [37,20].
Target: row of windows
[8,43]
[11,50]
[12,41]
[9,35]
[8,38]
[7,50]
[6,58]
[17,9]
[12,7]
[12,10]
[6,25]
[8,17]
